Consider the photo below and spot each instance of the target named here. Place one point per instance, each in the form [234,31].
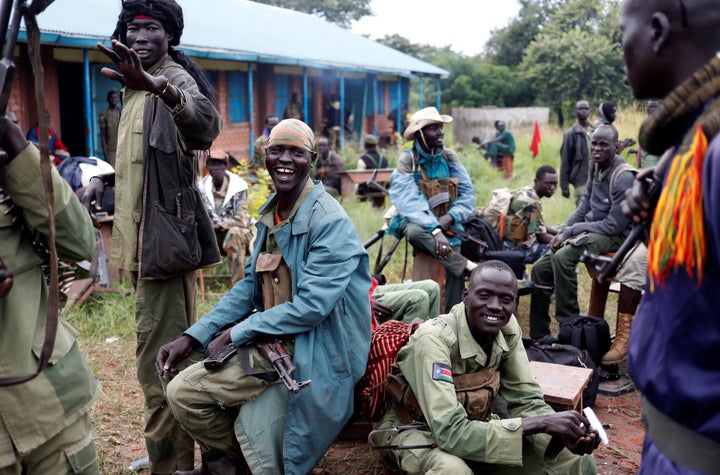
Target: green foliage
[404,45]
[477,85]
[507,45]
[106,315]
[259,186]
[339,12]
[589,71]
[577,55]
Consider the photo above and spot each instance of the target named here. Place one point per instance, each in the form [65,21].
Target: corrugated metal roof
[240,30]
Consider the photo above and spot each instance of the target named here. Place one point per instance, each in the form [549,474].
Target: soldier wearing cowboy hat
[433,193]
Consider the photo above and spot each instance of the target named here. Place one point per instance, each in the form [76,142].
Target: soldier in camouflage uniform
[524,227]
[44,422]
[226,199]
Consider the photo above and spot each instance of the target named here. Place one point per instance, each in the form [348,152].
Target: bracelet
[167,85]
[436,231]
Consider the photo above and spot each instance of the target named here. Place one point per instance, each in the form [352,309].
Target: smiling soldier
[478,346]
[306,285]
[167,113]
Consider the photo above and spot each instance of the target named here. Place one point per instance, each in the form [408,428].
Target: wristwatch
[436,231]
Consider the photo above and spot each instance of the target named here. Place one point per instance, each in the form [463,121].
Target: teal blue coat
[329,314]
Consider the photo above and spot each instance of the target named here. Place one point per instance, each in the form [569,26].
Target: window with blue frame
[282,93]
[237,96]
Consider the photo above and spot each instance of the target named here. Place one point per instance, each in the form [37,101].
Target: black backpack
[566,355]
[479,228]
[587,333]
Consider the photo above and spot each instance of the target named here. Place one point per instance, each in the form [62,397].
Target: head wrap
[605,110]
[167,12]
[292,132]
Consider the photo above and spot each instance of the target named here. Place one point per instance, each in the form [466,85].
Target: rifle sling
[51,322]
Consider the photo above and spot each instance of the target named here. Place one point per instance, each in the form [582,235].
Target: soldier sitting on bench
[433,193]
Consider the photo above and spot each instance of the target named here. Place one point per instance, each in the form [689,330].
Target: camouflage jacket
[524,219]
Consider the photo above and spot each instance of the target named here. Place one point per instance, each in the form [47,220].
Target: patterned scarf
[690,114]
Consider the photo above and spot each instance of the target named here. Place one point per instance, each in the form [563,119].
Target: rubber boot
[627,305]
[217,463]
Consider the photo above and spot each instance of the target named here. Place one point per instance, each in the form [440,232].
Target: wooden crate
[562,385]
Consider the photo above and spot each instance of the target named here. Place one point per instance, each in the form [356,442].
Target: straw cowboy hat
[423,117]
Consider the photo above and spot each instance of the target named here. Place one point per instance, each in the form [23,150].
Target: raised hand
[131,73]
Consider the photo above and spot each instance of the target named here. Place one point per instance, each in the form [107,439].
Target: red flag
[535,145]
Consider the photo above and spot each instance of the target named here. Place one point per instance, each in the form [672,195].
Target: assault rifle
[608,267]
[278,356]
[275,353]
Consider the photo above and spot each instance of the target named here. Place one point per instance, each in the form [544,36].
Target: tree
[474,84]
[577,55]
[339,12]
[507,45]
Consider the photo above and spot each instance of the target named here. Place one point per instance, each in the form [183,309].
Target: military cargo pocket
[82,457]
[137,128]
[144,321]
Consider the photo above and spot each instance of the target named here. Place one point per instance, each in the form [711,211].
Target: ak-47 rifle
[608,267]
[278,356]
[9,30]
[273,351]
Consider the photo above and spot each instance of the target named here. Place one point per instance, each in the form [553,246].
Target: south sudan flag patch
[442,372]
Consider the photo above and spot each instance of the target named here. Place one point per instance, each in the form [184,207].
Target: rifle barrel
[7,67]
[5,9]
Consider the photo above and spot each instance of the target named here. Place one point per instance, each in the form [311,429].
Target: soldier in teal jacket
[325,322]
[44,422]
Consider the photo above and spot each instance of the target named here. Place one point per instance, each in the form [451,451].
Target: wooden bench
[562,385]
[349,179]
[427,267]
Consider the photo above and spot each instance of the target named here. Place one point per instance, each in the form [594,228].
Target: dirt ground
[117,419]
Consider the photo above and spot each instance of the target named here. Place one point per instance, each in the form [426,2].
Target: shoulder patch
[442,372]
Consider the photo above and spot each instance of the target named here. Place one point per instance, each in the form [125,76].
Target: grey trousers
[558,270]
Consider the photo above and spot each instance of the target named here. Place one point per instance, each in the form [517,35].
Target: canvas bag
[275,279]
[474,391]
[497,209]
[480,229]
[439,192]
